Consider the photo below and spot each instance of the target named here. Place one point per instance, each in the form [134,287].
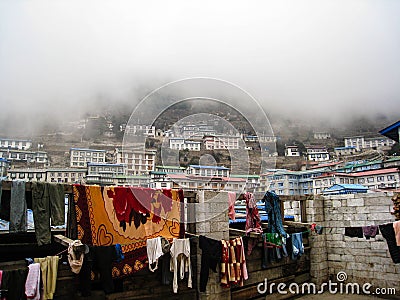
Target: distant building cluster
[20,159]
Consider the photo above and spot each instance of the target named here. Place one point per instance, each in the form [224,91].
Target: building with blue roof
[392,131]
[340,189]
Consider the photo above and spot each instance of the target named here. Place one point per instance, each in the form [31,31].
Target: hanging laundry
[253,221]
[48,202]
[396,206]
[273,208]
[370,231]
[297,245]
[48,268]
[231,205]
[119,255]
[32,284]
[180,255]
[166,274]
[99,259]
[233,263]
[18,207]
[319,229]
[387,232]
[154,252]
[396,227]
[13,281]
[354,232]
[211,251]
[100,225]
[75,260]
[57,204]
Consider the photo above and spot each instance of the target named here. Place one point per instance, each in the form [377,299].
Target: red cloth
[233,263]
[231,203]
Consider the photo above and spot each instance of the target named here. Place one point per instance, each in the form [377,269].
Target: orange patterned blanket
[127,216]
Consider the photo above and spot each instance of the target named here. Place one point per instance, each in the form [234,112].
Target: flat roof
[208,167]
[87,149]
[105,164]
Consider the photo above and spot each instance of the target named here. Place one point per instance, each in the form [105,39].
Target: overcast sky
[314,57]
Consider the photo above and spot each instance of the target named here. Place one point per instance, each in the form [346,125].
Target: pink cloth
[396,227]
[253,221]
[231,201]
[32,284]
[1,276]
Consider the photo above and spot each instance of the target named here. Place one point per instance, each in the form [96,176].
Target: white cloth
[180,253]
[32,284]
[154,252]
[74,262]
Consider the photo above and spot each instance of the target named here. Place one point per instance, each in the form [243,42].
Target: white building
[103,174]
[136,162]
[286,182]
[182,144]
[373,179]
[340,151]
[360,142]
[4,164]
[322,135]
[24,156]
[15,144]
[212,171]
[197,183]
[197,131]
[27,174]
[217,142]
[65,175]
[317,153]
[141,130]
[80,157]
[292,151]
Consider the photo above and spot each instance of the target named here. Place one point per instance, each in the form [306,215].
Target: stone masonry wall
[292,208]
[364,261]
[212,221]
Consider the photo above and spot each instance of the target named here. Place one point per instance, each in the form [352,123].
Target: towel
[32,284]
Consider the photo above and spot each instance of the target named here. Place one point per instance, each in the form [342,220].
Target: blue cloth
[273,209]
[120,255]
[297,245]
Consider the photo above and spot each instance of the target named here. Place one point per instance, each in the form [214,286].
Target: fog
[329,60]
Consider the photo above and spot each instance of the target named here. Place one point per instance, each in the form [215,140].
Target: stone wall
[292,208]
[364,261]
[212,221]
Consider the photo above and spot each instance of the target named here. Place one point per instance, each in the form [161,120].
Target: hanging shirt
[180,254]
[154,252]
[210,257]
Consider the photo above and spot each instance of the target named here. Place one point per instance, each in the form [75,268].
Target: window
[370,179]
[390,177]
[59,174]
[361,180]
[380,178]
